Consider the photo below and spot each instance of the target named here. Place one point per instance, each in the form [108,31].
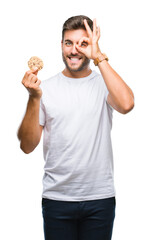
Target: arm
[120,95]
[30,131]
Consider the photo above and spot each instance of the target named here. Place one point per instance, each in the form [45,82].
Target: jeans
[85,220]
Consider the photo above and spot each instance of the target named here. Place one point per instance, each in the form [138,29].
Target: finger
[99,32]
[37,84]
[33,78]
[84,40]
[80,49]
[28,79]
[94,27]
[30,72]
[34,85]
[88,29]
[27,74]
[35,70]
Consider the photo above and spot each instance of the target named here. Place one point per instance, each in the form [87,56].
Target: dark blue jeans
[85,220]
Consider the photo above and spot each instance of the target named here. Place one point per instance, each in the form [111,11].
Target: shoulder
[97,75]
[50,81]
[98,79]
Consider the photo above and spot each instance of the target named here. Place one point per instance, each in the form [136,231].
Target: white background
[31,28]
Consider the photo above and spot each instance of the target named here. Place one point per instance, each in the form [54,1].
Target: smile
[75,59]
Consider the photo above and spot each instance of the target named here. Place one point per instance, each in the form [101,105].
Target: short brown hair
[76,22]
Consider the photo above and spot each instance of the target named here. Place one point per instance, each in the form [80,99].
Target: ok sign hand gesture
[91,47]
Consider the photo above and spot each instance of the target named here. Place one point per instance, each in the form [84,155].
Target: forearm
[120,95]
[29,132]
[119,91]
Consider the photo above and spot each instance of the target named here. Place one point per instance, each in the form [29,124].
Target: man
[75,110]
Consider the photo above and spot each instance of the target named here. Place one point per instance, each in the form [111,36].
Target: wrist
[35,94]
[99,55]
[100,58]
[34,98]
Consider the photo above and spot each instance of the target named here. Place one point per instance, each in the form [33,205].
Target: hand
[31,82]
[91,47]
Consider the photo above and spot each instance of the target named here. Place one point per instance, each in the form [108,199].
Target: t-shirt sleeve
[106,91]
[104,87]
[42,115]
[106,95]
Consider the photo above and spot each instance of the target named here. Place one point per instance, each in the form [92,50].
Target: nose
[74,49]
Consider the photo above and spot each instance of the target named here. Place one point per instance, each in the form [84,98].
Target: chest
[70,101]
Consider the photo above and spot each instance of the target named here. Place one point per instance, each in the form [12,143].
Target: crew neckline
[77,80]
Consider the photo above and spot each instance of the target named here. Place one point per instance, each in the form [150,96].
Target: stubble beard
[83,65]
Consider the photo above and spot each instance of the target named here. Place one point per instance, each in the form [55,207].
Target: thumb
[80,49]
[35,70]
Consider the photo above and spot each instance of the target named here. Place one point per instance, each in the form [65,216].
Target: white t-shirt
[77,145]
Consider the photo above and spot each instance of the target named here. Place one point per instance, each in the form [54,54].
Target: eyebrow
[67,40]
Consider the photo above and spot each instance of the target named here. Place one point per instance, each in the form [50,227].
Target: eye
[84,44]
[68,43]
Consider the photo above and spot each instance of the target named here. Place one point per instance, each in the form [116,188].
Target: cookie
[35,62]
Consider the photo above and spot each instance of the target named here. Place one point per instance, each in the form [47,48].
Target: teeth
[75,59]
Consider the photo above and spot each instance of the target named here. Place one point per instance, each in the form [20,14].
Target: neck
[79,74]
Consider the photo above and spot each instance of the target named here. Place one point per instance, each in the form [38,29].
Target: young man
[75,110]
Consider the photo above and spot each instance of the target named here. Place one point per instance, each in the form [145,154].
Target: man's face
[74,60]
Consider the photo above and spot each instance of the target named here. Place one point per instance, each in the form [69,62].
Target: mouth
[75,59]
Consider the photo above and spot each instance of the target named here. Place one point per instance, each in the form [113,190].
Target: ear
[61,44]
